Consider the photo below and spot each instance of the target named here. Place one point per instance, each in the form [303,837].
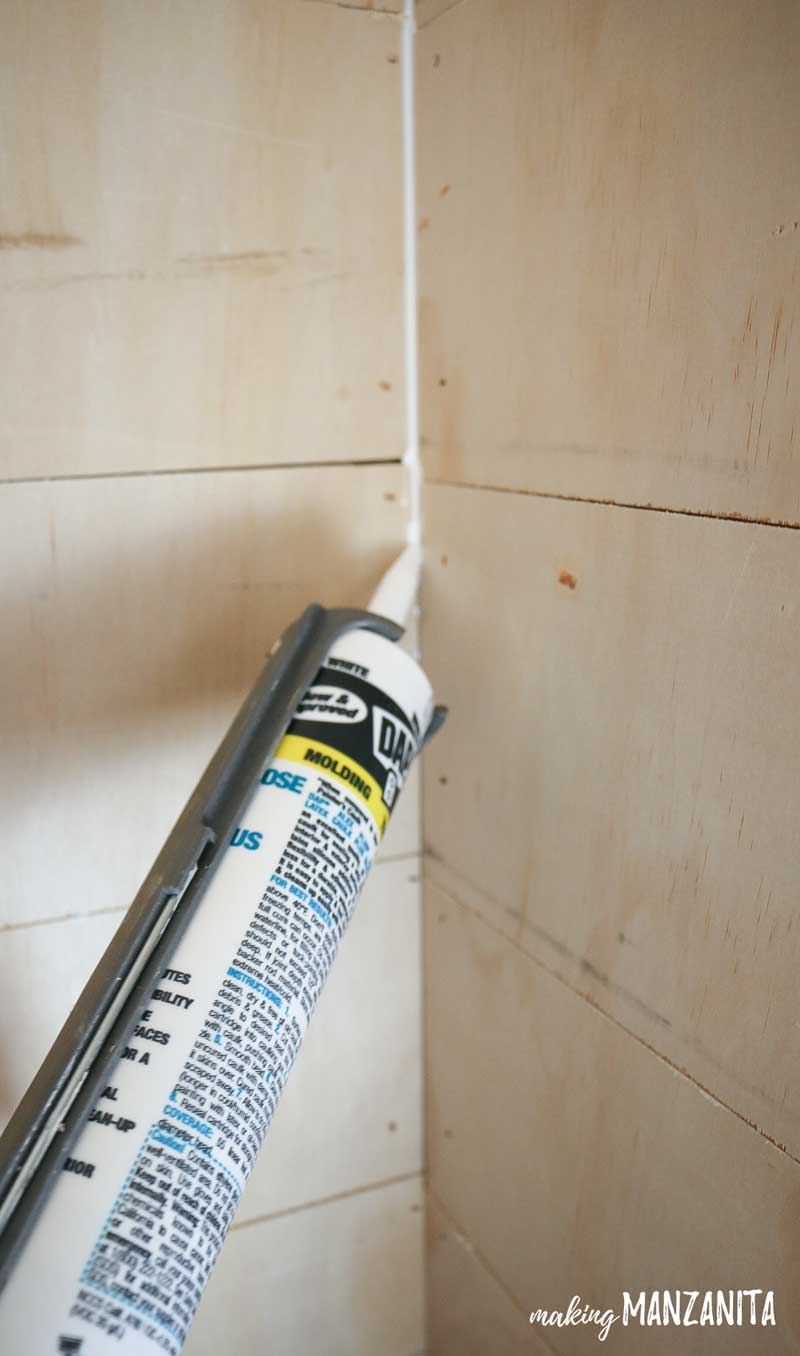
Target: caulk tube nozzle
[397,591]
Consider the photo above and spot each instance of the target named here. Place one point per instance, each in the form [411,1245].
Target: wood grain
[608,214]
[469,1311]
[201,270]
[617,788]
[576,1162]
[200,235]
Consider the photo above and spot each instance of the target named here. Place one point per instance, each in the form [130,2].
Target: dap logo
[394,746]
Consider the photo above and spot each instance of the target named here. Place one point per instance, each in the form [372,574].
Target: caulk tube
[126,1241]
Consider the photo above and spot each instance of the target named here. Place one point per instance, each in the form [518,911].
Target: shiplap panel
[351,1115]
[137,613]
[618,786]
[42,972]
[578,1163]
[200,235]
[469,1311]
[342,1279]
[608,214]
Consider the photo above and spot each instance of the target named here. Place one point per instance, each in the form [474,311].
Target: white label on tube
[125,1244]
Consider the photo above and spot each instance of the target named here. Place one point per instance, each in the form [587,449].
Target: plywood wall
[609,244]
[200,257]
[201,389]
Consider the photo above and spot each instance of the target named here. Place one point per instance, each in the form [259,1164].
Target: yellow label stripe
[311,754]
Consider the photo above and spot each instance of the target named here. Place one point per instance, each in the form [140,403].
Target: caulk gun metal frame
[43,1129]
